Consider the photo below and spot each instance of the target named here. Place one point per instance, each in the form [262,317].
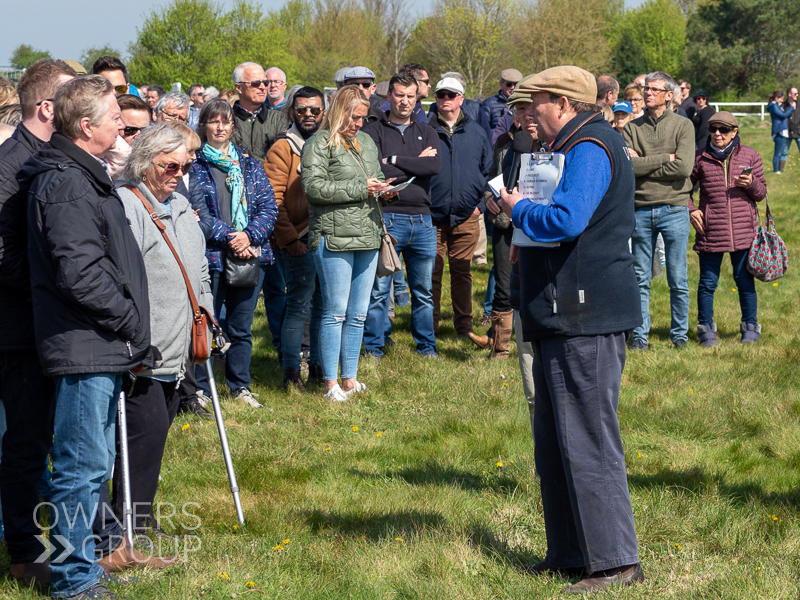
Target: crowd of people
[121,208]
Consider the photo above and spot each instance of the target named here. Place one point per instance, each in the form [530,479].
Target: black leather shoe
[291,378]
[601,580]
[193,406]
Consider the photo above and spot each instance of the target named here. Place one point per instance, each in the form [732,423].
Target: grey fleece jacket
[170,309]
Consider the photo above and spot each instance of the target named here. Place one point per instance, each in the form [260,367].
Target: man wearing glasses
[365,79]
[687,102]
[494,107]
[661,144]
[135,116]
[276,88]
[196,93]
[172,107]
[114,70]
[257,127]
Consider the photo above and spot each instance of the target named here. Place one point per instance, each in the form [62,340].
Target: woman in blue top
[780,130]
[240,199]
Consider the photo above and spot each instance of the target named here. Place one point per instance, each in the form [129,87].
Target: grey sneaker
[750,332]
[248,398]
[707,335]
[639,344]
[98,590]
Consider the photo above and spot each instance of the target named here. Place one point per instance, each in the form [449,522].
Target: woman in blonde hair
[342,180]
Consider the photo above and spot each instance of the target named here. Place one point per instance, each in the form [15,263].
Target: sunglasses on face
[509,84]
[172,169]
[425,81]
[131,131]
[722,130]
[257,83]
[443,95]
[121,89]
[304,110]
[174,116]
[364,84]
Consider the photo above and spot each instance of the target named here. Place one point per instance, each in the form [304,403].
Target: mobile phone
[747,170]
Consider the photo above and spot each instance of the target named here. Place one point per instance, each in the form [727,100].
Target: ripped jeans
[345,279]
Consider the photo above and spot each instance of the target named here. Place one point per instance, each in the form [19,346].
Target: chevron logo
[50,549]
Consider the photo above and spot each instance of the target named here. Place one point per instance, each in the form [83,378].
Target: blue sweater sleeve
[586,177]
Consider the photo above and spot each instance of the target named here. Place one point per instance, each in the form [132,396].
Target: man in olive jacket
[91,313]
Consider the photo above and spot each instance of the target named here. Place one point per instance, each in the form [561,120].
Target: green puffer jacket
[336,188]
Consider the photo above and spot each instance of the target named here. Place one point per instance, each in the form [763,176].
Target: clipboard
[539,176]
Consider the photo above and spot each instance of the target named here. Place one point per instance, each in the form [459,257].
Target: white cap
[450,84]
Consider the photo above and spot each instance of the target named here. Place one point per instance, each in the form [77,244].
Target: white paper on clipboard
[539,174]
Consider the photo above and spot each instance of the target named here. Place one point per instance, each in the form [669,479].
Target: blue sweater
[780,117]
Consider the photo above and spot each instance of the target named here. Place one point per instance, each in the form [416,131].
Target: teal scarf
[229,162]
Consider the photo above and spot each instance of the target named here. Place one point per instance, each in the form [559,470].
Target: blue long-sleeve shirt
[585,180]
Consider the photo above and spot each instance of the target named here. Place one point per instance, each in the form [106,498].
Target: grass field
[425,487]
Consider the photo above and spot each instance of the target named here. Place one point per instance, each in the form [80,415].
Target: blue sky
[63,29]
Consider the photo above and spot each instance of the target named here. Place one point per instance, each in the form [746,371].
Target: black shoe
[98,590]
[619,577]
[680,343]
[193,406]
[639,344]
[314,376]
[291,377]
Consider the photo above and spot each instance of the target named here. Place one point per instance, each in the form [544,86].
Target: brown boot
[481,341]
[782,166]
[26,574]
[502,322]
[127,557]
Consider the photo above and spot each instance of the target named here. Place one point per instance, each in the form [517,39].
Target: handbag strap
[770,224]
[377,199]
[196,310]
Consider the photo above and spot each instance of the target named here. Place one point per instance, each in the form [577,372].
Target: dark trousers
[710,263]
[150,410]
[578,449]
[29,401]
[274,287]
[458,243]
[501,251]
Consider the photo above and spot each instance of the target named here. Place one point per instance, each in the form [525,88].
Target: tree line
[731,48]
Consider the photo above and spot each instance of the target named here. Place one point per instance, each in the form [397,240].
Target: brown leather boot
[502,322]
[37,574]
[481,341]
[782,166]
[127,557]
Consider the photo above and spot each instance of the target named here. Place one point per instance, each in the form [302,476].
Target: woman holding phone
[342,179]
[731,181]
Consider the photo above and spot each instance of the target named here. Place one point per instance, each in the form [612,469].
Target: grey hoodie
[170,309]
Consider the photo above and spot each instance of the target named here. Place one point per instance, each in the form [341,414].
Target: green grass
[413,504]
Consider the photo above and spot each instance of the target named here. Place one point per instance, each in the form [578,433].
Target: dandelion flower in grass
[775,284]
[278,548]
[639,455]
[398,539]
[235,527]
[691,390]
[286,541]
[499,464]
[355,427]
[185,427]
[224,576]
[678,546]
[511,461]
[327,449]
[250,585]
[505,384]
[379,434]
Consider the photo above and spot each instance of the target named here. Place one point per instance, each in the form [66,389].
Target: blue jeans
[710,263]
[672,222]
[488,299]
[239,305]
[303,296]
[781,151]
[83,454]
[416,241]
[273,284]
[345,279]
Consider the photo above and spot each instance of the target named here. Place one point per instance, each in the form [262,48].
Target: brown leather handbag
[202,321]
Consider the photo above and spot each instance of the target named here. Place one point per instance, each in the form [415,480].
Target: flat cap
[359,73]
[76,66]
[572,82]
[339,76]
[450,84]
[723,117]
[510,75]
[517,96]
[382,89]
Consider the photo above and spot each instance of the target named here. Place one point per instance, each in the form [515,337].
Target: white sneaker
[248,398]
[358,388]
[336,394]
[204,400]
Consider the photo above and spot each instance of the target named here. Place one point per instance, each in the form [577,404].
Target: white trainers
[336,394]
[358,388]
[248,398]
[204,400]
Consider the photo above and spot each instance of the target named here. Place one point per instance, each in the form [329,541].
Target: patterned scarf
[229,162]
[722,154]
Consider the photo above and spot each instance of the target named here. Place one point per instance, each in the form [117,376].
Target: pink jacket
[729,212]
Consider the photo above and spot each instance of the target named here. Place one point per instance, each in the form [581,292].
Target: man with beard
[291,236]
[407,149]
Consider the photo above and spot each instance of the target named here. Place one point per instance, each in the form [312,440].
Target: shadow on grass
[447,476]
[696,481]
[374,527]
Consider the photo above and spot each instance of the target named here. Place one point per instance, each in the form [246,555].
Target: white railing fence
[762,110]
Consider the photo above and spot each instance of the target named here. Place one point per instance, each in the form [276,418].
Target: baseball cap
[623,106]
[510,75]
[450,84]
[723,117]
[573,82]
[359,73]
[339,76]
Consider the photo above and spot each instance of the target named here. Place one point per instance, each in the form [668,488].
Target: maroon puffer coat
[729,212]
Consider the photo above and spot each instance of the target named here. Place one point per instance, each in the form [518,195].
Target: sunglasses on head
[720,129]
[442,95]
[304,110]
[129,131]
[172,168]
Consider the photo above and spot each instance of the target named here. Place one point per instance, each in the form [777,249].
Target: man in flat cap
[495,107]
[365,79]
[579,301]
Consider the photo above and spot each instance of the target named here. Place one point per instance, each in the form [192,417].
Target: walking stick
[122,422]
[223,438]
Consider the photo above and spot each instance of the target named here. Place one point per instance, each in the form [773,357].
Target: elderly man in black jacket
[407,149]
[91,314]
[28,396]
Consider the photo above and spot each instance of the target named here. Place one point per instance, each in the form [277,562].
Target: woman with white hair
[152,173]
